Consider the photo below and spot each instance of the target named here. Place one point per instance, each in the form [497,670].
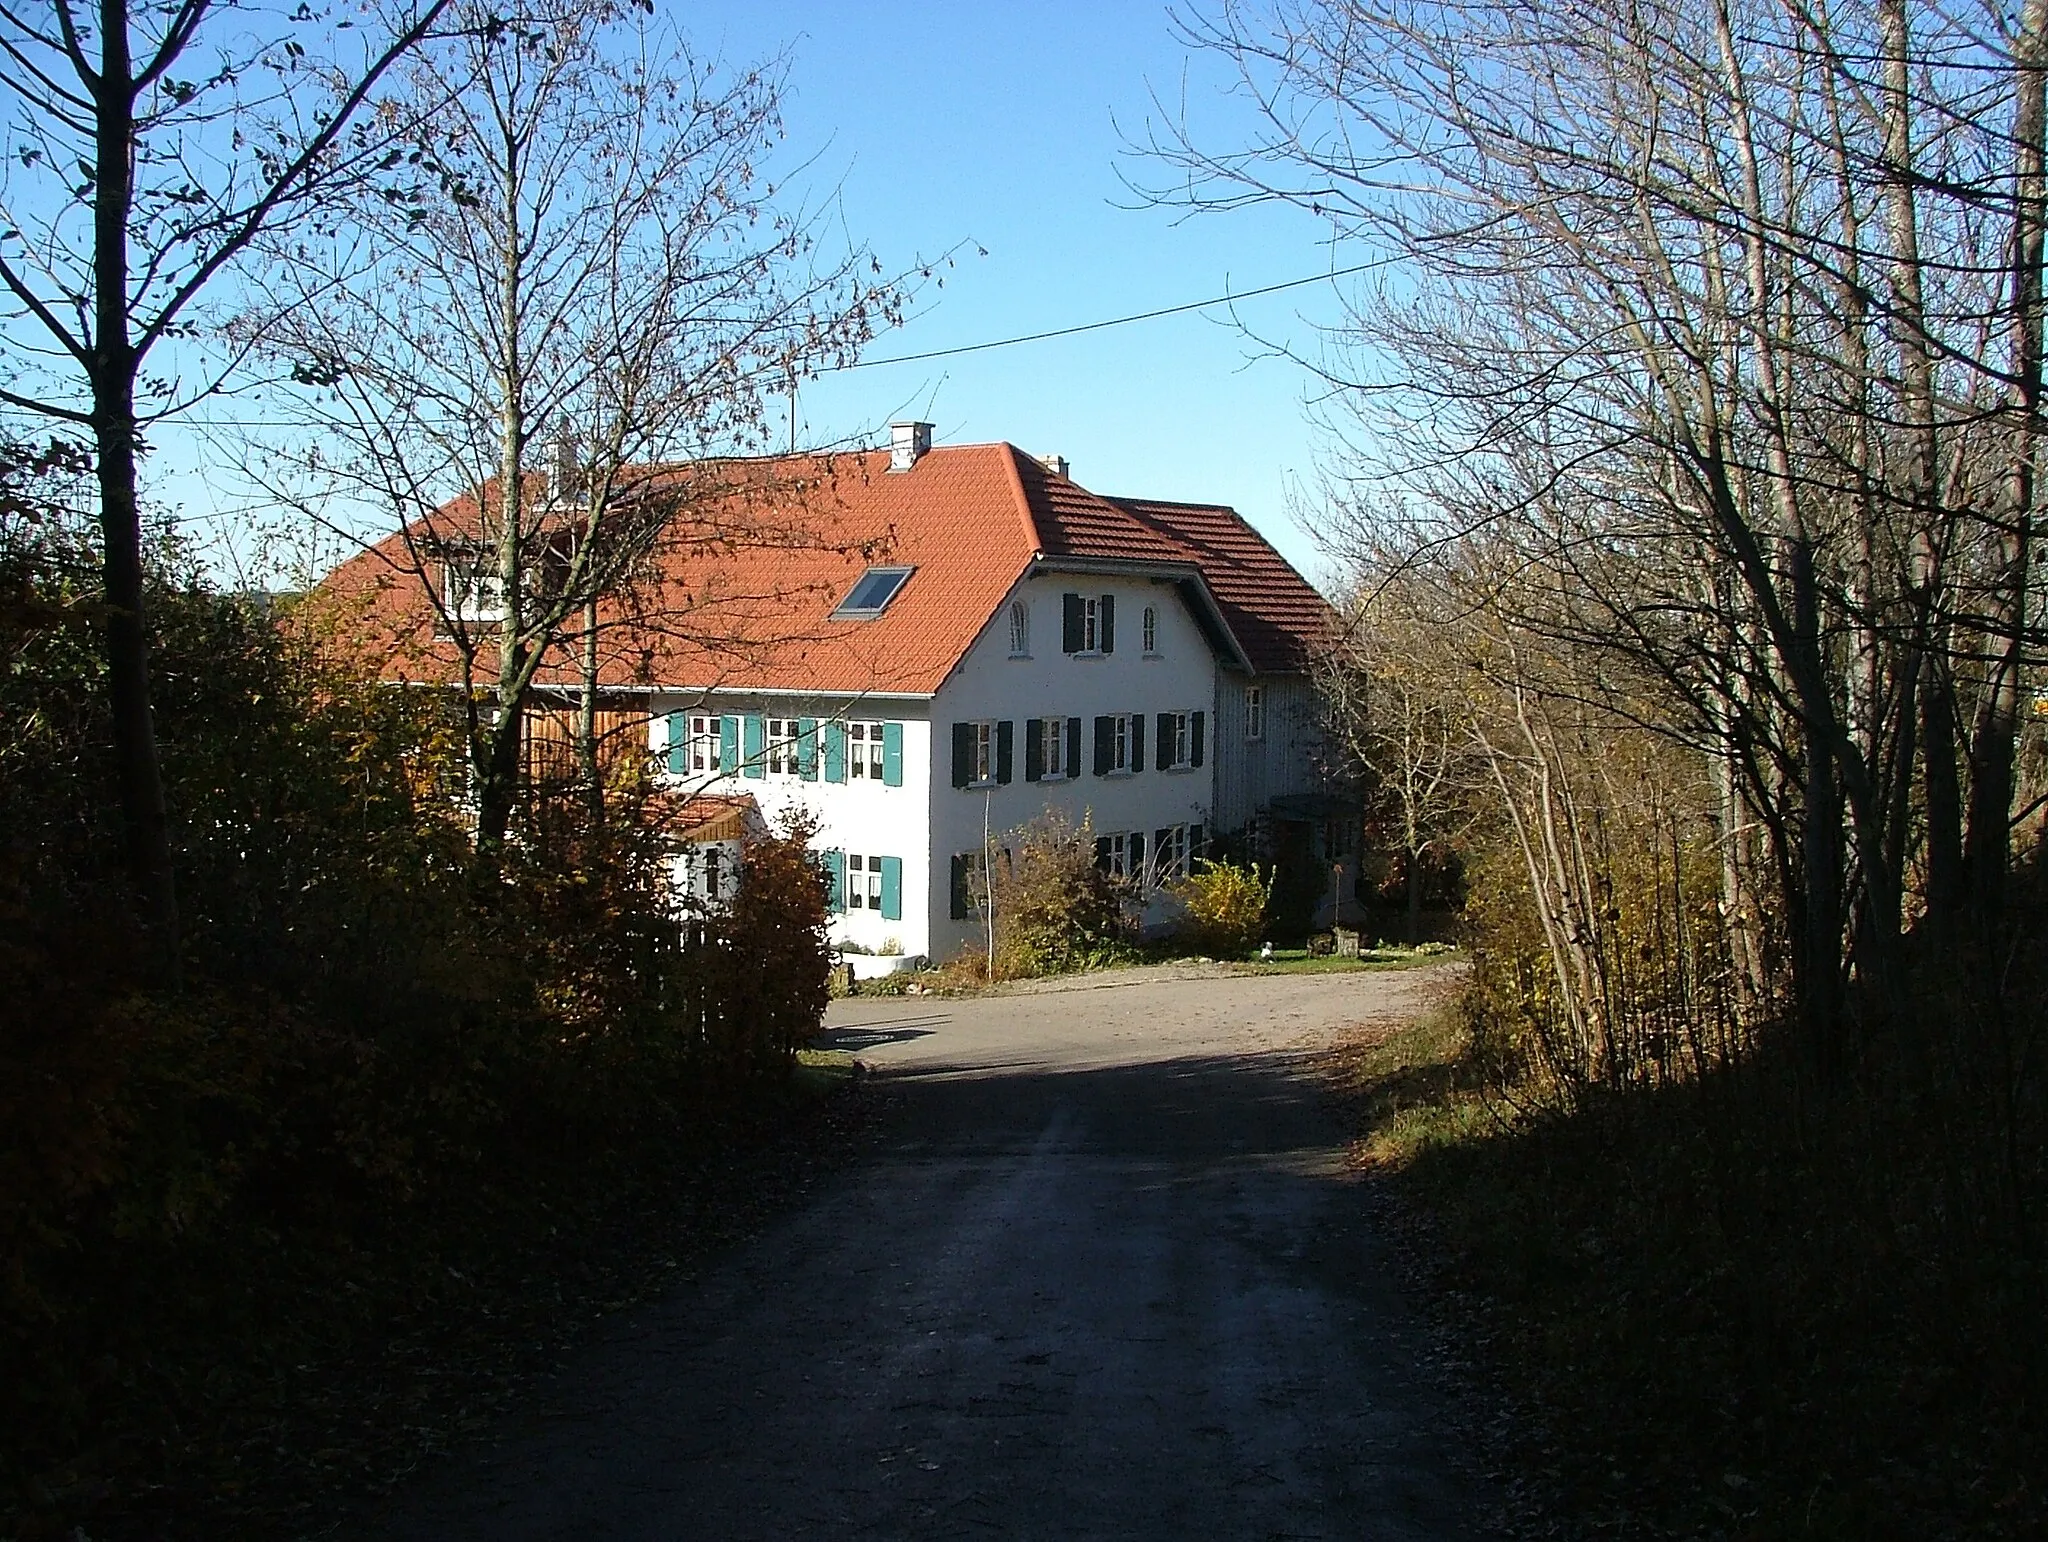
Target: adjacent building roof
[745,594]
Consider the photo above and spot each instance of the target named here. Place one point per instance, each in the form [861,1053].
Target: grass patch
[1718,1320]
[1301,961]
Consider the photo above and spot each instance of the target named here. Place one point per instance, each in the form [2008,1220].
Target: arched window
[1020,630]
[1151,629]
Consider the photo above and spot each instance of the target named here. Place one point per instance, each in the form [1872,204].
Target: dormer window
[1020,630]
[470,585]
[871,595]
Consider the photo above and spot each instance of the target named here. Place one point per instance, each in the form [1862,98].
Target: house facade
[943,643]
[1108,681]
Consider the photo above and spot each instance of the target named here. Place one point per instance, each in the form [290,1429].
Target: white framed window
[1120,742]
[704,744]
[782,752]
[1114,855]
[471,588]
[1177,742]
[1020,630]
[704,871]
[864,751]
[1170,854]
[1052,752]
[863,883]
[1091,625]
[1149,627]
[984,753]
[1255,712]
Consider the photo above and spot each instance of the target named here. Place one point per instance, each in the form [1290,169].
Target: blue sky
[934,127]
[940,126]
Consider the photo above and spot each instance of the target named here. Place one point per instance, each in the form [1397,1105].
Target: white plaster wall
[988,683]
[855,816]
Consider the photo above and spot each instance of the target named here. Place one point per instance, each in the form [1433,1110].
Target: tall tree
[151,145]
[606,283]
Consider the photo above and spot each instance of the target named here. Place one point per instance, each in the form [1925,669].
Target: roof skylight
[872,594]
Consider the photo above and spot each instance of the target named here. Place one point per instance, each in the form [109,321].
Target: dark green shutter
[1073,746]
[835,876]
[963,754]
[1164,756]
[892,888]
[1136,851]
[835,752]
[1105,744]
[807,748]
[1102,852]
[1159,840]
[678,743]
[728,745]
[1137,741]
[960,909]
[1108,637]
[1201,720]
[1006,735]
[892,754]
[1070,623]
[1034,748]
[1194,845]
[753,745]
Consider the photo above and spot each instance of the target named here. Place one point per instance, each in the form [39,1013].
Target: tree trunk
[586,718]
[146,835]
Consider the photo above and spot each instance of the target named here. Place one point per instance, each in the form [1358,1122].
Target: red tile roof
[744,600]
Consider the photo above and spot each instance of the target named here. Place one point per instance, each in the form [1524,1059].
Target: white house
[1021,644]
[920,644]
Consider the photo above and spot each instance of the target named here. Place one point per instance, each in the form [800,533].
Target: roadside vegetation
[1690,508]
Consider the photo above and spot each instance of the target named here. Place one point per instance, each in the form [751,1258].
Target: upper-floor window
[704,744]
[1150,628]
[984,753]
[1052,749]
[1020,630]
[864,751]
[782,747]
[1119,743]
[1088,623]
[471,587]
[1180,740]
[1254,712]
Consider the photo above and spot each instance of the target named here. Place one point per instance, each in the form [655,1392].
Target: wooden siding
[1250,773]
[550,740]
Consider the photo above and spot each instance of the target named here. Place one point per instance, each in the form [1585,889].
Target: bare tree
[152,145]
[1699,329]
[606,286]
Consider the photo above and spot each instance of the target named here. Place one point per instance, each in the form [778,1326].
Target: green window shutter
[1006,734]
[678,743]
[835,752]
[960,910]
[1137,856]
[1137,741]
[1195,844]
[753,746]
[1070,623]
[835,877]
[807,748]
[1105,744]
[892,754]
[963,754]
[892,888]
[1195,736]
[728,745]
[1102,852]
[1163,756]
[1109,623]
[1073,746]
[1034,747]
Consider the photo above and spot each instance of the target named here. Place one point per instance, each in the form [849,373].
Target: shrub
[1056,911]
[1225,907]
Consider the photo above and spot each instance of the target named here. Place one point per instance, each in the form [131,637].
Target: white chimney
[1056,464]
[907,442]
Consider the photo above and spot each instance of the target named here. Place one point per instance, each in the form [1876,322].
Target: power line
[1117,321]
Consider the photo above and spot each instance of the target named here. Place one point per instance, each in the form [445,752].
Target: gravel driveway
[1104,1275]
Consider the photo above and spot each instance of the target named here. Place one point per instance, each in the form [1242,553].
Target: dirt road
[1105,1277]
